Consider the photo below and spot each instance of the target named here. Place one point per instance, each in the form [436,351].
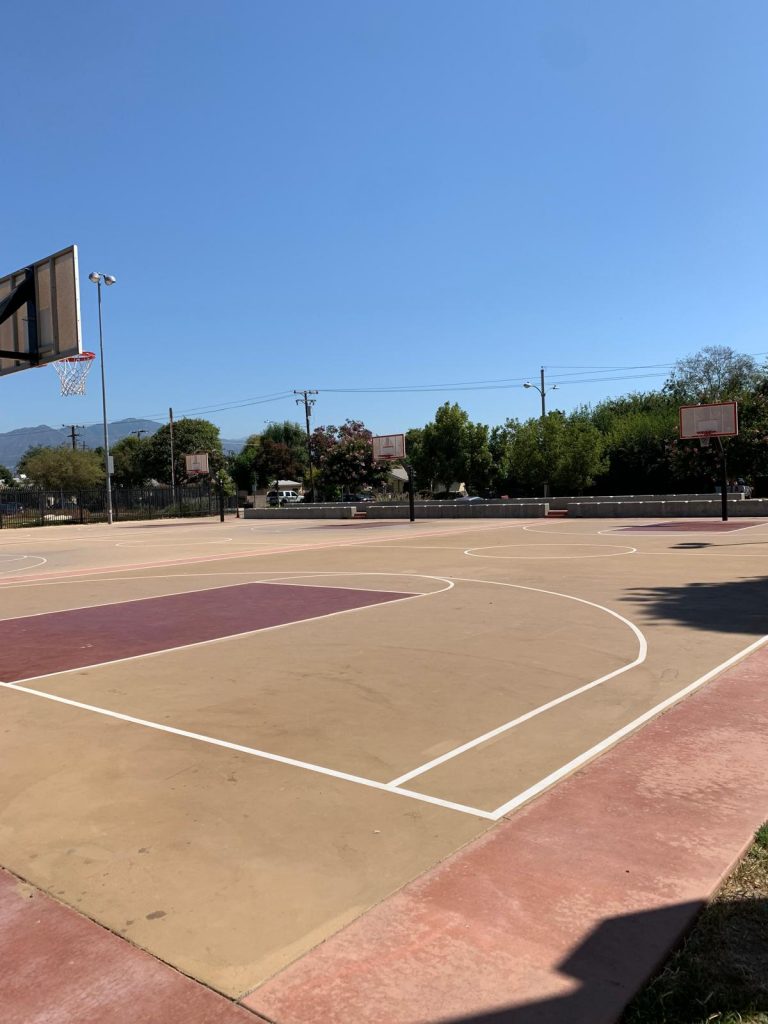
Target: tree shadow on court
[719,973]
[729,606]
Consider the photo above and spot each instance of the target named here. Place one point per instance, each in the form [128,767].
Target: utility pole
[542,389]
[138,433]
[308,402]
[74,432]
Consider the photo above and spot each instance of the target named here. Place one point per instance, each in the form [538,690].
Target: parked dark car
[10,508]
[357,497]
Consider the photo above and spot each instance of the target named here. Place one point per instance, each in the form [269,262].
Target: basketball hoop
[73,372]
[704,440]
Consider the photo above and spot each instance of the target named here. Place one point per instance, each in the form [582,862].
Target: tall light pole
[543,392]
[108,280]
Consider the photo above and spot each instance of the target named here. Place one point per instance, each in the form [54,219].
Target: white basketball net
[73,373]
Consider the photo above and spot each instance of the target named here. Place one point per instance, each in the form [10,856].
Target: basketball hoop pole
[723,480]
[411,506]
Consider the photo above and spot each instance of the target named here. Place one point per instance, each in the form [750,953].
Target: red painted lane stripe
[42,644]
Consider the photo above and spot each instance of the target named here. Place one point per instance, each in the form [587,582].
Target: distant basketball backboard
[717,419]
[388,446]
[40,313]
[196,464]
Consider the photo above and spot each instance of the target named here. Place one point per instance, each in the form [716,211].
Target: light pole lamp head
[93,276]
[527,384]
[108,279]
[554,387]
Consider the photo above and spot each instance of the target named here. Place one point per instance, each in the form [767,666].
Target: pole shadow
[724,971]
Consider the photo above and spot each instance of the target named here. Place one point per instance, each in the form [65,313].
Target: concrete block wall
[659,509]
[302,512]
[460,510]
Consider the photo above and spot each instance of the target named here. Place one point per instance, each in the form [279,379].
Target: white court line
[627,550]
[470,744]
[179,543]
[235,636]
[343,543]
[610,741]
[254,752]
[22,568]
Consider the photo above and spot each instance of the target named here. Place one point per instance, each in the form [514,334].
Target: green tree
[566,451]
[189,436]
[453,449]
[131,456]
[242,467]
[344,458]
[281,454]
[62,468]
[638,430]
[716,373]
[6,476]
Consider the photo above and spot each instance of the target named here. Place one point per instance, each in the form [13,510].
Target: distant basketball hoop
[388,447]
[196,464]
[702,423]
[73,373]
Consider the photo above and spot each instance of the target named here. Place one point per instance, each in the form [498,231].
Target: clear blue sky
[350,194]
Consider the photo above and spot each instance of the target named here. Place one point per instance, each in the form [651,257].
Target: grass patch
[719,975]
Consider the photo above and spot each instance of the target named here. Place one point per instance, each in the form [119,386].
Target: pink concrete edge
[60,967]
[561,912]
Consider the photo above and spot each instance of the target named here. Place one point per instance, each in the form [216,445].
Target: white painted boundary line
[19,558]
[255,752]
[626,550]
[534,712]
[614,738]
[73,574]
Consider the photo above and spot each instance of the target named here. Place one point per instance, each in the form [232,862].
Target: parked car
[275,498]
[357,498]
[10,508]
[467,497]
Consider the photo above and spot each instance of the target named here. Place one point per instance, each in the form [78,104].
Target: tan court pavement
[230,866]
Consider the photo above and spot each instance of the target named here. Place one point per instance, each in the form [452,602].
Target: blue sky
[358,194]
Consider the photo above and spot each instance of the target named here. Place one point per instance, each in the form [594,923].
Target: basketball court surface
[225,742]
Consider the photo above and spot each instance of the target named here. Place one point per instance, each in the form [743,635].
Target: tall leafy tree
[189,436]
[716,373]
[62,468]
[6,476]
[453,449]
[131,456]
[281,453]
[567,451]
[344,458]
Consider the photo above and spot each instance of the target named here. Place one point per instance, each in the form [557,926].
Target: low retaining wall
[302,512]
[562,503]
[460,510]
[623,509]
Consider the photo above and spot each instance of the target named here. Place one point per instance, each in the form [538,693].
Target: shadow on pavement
[731,606]
[724,970]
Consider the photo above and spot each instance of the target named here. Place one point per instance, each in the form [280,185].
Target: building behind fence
[23,506]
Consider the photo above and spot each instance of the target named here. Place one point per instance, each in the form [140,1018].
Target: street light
[542,389]
[108,280]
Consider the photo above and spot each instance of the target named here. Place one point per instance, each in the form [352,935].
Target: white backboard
[717,419]
[197,463]
[389,446]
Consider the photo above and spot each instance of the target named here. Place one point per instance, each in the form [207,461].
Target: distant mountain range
[14,443]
